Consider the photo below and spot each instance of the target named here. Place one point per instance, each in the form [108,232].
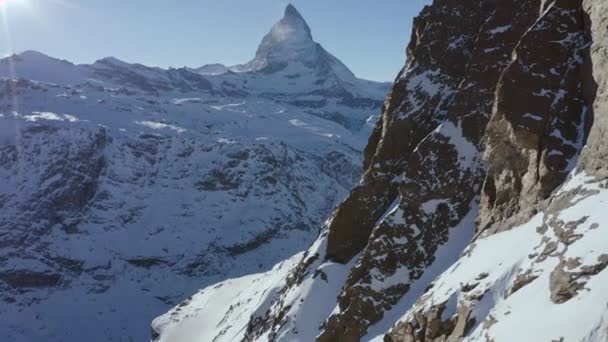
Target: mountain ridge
[123,186]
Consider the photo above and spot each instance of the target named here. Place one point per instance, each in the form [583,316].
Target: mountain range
[124,188]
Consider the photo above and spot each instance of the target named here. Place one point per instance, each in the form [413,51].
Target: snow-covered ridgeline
[125,188]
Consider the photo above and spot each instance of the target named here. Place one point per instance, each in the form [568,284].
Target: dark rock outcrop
[486,121]
[538,123]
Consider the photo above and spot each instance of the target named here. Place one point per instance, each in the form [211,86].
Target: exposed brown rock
[429,327]
[566,284]
[563,287]
[537,125]
[410,113]
[522,279]
[594,158]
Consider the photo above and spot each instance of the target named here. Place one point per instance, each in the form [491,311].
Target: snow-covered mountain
[123,187]
[480,215]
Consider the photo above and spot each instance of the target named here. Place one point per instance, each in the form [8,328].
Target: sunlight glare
[7,2]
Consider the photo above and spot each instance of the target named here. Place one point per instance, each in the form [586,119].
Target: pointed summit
[290,10]
[291,27]
[294,19]
[289,45]
[289,39]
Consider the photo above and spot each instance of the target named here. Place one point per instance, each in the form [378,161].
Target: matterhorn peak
[289,39]
[291,10]
[291,28]
[293,22]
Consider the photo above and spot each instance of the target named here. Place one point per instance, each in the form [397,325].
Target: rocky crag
[478,213]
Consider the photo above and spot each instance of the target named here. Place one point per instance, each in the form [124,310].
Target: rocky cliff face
[593,158]
[478,196]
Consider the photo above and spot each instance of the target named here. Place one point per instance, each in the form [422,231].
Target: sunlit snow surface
[492,261]
[238,299]
[529,314]
[222,312]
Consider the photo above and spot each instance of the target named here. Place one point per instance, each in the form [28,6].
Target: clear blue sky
[368,36]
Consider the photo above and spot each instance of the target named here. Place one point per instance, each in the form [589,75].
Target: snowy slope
[223,311]
[542,281]
[172,194]
[124,188]
[505,283]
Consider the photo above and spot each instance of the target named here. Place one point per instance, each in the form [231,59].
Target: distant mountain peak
[290,39]
[212,69]
[111,61]
[33,56]
[292,19]
[291,10]
[291,28]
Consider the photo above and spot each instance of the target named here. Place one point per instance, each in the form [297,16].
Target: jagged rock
[522,280]
[538,120]
[438,165]
[562,285]
[430,327]
[566,284]
[595,156]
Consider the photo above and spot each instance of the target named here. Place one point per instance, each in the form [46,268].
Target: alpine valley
[125,188]
[481,214]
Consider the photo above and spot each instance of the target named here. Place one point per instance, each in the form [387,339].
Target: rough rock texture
[562,274]
[412,111]
[524,168]
[439,174]
[539,117]
[595,157]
